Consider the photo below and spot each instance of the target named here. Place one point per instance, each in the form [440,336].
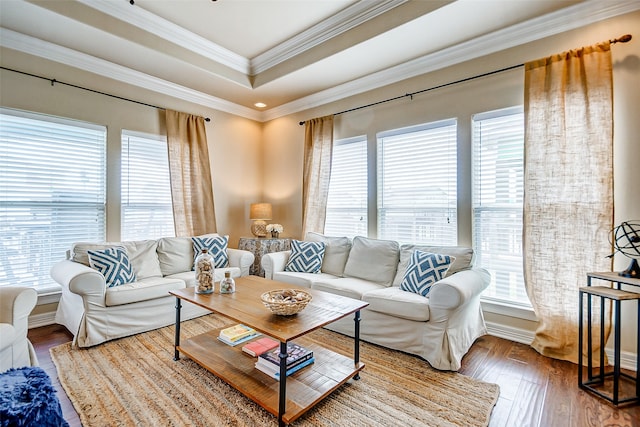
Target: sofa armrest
[80,279]
[241,259]
[274,262]
[459,288]
[16,303]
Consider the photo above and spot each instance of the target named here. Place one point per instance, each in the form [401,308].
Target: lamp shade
[260,211]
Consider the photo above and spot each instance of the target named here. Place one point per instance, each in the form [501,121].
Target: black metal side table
[597,383]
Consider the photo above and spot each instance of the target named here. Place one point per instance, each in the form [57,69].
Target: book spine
[292,364]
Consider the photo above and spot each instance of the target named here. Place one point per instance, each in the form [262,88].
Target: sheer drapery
[568,202]
[318,148]
[191,187]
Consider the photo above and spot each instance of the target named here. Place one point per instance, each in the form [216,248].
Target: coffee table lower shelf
[305,388]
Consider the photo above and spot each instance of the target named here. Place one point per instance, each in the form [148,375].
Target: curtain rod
[622,39]
[54,81]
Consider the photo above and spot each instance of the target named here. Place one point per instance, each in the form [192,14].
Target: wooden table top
[246,307]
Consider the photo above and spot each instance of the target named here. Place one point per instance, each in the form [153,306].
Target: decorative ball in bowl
[286,302]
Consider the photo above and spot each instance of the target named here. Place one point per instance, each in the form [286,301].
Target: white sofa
[16,303]
[440,327]
[96,313]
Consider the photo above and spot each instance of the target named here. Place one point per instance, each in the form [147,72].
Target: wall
[283,137]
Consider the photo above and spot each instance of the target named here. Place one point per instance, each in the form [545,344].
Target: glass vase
[227,285]
[204,272]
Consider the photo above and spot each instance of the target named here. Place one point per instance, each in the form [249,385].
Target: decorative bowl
[286,302]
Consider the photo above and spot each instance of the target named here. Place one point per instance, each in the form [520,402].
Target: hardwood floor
[534,390]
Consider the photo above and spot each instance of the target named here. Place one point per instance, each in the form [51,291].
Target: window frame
[451,208]
[517,308]
[126,181]
[60,178]
[365,215]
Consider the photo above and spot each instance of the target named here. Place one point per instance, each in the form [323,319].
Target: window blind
[347,201]
[146,207]
[498,190]
[52,193]
[417,184]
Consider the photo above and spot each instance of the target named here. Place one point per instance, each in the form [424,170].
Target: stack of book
[236,334]
[297,358]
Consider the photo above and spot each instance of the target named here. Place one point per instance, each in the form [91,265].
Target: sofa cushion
[142,255]
[301,279]
[424,270]
[398,303]
[141,290]
[373,260]
[217,247]
[144,258]
[336,252]
[176,255]
[463,258]
[305,257]
[347,286]
[189,277]
[114,265]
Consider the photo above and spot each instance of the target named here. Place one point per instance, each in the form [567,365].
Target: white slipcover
[440,327]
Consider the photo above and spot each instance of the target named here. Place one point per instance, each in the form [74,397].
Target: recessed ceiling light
[260,104]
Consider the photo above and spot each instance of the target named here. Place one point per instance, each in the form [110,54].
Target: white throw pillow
[373,260]
[336,252]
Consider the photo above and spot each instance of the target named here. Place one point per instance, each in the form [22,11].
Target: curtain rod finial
[301,123]
[623,39]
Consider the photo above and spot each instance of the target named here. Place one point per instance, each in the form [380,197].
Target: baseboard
[628,360]
[42,319]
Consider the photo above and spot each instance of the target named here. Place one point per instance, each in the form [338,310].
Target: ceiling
[289,54]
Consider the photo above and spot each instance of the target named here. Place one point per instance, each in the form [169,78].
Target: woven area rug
[134,381]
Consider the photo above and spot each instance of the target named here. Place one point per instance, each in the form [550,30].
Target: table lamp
[259,213]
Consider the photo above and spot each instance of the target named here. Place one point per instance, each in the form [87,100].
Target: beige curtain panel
[568,203]
[318,148]
[190,171]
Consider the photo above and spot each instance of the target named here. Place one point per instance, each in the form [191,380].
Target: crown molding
[170,32]
[53,52]
[573,17]
[333,26]
[554,23]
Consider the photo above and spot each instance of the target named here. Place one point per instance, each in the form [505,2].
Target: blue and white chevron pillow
[306,257]
[217,246]
[114,264]
[425,269]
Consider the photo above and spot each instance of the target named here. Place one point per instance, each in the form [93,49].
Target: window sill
[509,310]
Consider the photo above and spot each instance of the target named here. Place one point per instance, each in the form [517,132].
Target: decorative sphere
[626,238]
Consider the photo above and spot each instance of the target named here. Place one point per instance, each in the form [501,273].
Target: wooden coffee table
[288,399]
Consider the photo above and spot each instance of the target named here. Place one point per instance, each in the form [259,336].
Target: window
[347,202]
[498,170]
[52,193]
[417,193]
[146,207]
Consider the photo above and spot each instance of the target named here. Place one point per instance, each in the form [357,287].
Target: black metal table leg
[356,342]
[616,353]
[176,353]
[580,338]
[282,399]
